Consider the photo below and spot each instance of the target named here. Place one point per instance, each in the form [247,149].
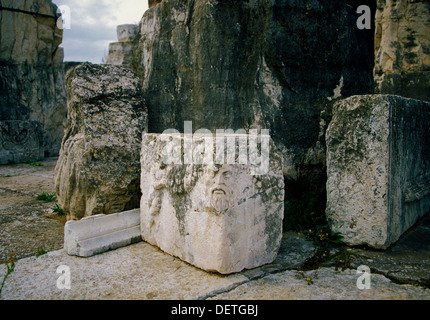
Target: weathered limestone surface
[378,168]
[136,272]
[254,64]
[31,71]
[142,272]
[218,217]
[328,284]
[100,233]
[30,38]
[402,48]
[20,141]
[245,64]
[126,32]
[121,52]
[98,171]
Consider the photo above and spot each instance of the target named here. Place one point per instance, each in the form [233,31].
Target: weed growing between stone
[10,267]
[308,278]
[41,251]
[47,197]
[58,210]
[35,164]
[343,259]
[315,227]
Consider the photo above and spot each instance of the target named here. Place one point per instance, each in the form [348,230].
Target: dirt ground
[27,224]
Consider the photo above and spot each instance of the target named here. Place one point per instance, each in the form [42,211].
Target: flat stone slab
[139,271]
[327,284]
[408,260]
[100,233]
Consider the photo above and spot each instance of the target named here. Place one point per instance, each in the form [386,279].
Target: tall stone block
[98,171]
[31,68]
[223,216]
[255,64]
[250,64]
[378,168]
[402,48]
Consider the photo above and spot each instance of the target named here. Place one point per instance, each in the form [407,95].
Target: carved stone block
[215,210]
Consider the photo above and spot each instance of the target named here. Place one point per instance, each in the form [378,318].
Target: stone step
[100,233]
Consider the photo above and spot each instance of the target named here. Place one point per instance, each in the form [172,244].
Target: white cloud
[93,26]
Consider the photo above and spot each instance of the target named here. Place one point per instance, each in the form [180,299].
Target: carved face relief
[220,186]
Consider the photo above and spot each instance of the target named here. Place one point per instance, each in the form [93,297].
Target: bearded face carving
[220,217]
[220,187]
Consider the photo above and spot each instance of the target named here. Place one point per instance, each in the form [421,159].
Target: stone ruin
[249,65]
[98,168]
[33,104]
[378,160]
[215,215]
[121,52]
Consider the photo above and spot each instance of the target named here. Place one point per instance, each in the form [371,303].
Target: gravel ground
[27,224]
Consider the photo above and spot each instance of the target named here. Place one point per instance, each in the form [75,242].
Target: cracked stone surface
[138,271]
[327,283]
[142,271]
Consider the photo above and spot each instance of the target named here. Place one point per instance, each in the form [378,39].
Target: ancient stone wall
[31,71]
[402,48]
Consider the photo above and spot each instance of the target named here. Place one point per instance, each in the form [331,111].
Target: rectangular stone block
[378,167]
[126,32]
[214,202]
[96,234]
[120,53]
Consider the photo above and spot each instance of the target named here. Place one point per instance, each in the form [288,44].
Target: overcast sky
[93,26]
